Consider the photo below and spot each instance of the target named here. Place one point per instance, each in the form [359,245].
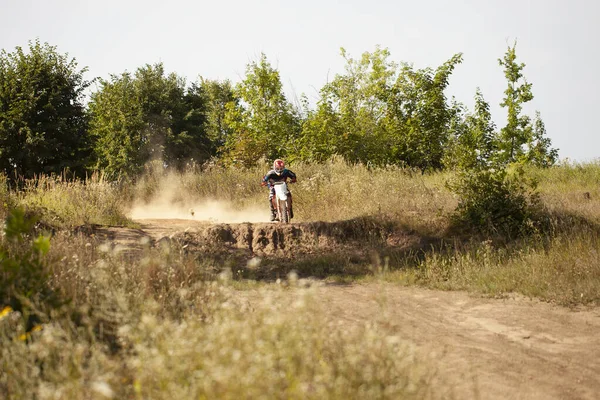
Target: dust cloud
[171,202]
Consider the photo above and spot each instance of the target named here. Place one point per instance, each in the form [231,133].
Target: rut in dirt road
[476,348]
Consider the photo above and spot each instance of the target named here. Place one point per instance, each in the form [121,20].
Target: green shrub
[495,202]
[23,273]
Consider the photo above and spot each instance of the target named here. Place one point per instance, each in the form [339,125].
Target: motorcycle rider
[277,174]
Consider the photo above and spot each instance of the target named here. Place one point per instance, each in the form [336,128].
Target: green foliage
[491,199]
[23,273]
[218,96]
[520,140]
[517,131]
[420,115]
[43,126]
[495,202]
[378,113]
[263,124]
[474,141]
[148,116]
[358,97]
[540,153]
[322,132]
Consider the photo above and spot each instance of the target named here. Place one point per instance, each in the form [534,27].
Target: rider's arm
[291,175]
[265,180]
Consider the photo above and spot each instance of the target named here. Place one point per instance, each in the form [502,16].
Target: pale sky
[302,39]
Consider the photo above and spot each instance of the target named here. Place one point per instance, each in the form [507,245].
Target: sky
[302,39]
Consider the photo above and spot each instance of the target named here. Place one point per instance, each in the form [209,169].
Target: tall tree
[263,123]
[322,132]
[218,96]
[518,129]
[359,96]
[520,140]
[135,119]
[378,113]
[418,115]
[476,142]
[42,117]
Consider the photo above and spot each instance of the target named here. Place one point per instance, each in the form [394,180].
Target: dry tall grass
[154,328]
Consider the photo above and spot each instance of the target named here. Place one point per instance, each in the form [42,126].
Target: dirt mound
[316,249]
[278,240]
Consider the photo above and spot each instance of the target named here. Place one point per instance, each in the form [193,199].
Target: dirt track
[512,348]
[486,348]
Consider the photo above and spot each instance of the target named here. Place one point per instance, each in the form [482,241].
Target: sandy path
[511,348]
[485,348]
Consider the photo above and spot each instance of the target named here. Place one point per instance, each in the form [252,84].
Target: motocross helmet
[278,166]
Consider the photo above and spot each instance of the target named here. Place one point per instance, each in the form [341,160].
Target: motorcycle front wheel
[284,212]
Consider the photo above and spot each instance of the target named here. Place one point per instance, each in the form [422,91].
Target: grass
[167,325]
[156,328]
[328,192]
[66,203]
[563,270]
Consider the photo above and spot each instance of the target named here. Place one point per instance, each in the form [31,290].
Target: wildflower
[27,335]
[5,311]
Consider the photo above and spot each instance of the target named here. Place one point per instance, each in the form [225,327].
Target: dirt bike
[282,202]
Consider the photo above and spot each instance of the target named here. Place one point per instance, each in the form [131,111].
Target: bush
[23,272]
[495,202]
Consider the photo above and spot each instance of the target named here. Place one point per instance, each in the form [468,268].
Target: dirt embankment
[266,239]
[280,240]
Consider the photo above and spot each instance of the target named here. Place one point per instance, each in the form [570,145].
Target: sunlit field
[86,320]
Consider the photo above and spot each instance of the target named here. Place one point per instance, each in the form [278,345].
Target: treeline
[376,112]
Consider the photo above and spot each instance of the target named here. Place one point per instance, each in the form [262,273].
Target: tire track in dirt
[485,348]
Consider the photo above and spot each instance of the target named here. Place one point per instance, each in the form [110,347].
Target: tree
[518,130]
[539,151]
[322,132]
[218,96]
[377,113]
[43,122]
[493,199]
[359,98]
[117,126]
[148,116]
[418,115]
[263,123]
[476,142]
[519,139]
